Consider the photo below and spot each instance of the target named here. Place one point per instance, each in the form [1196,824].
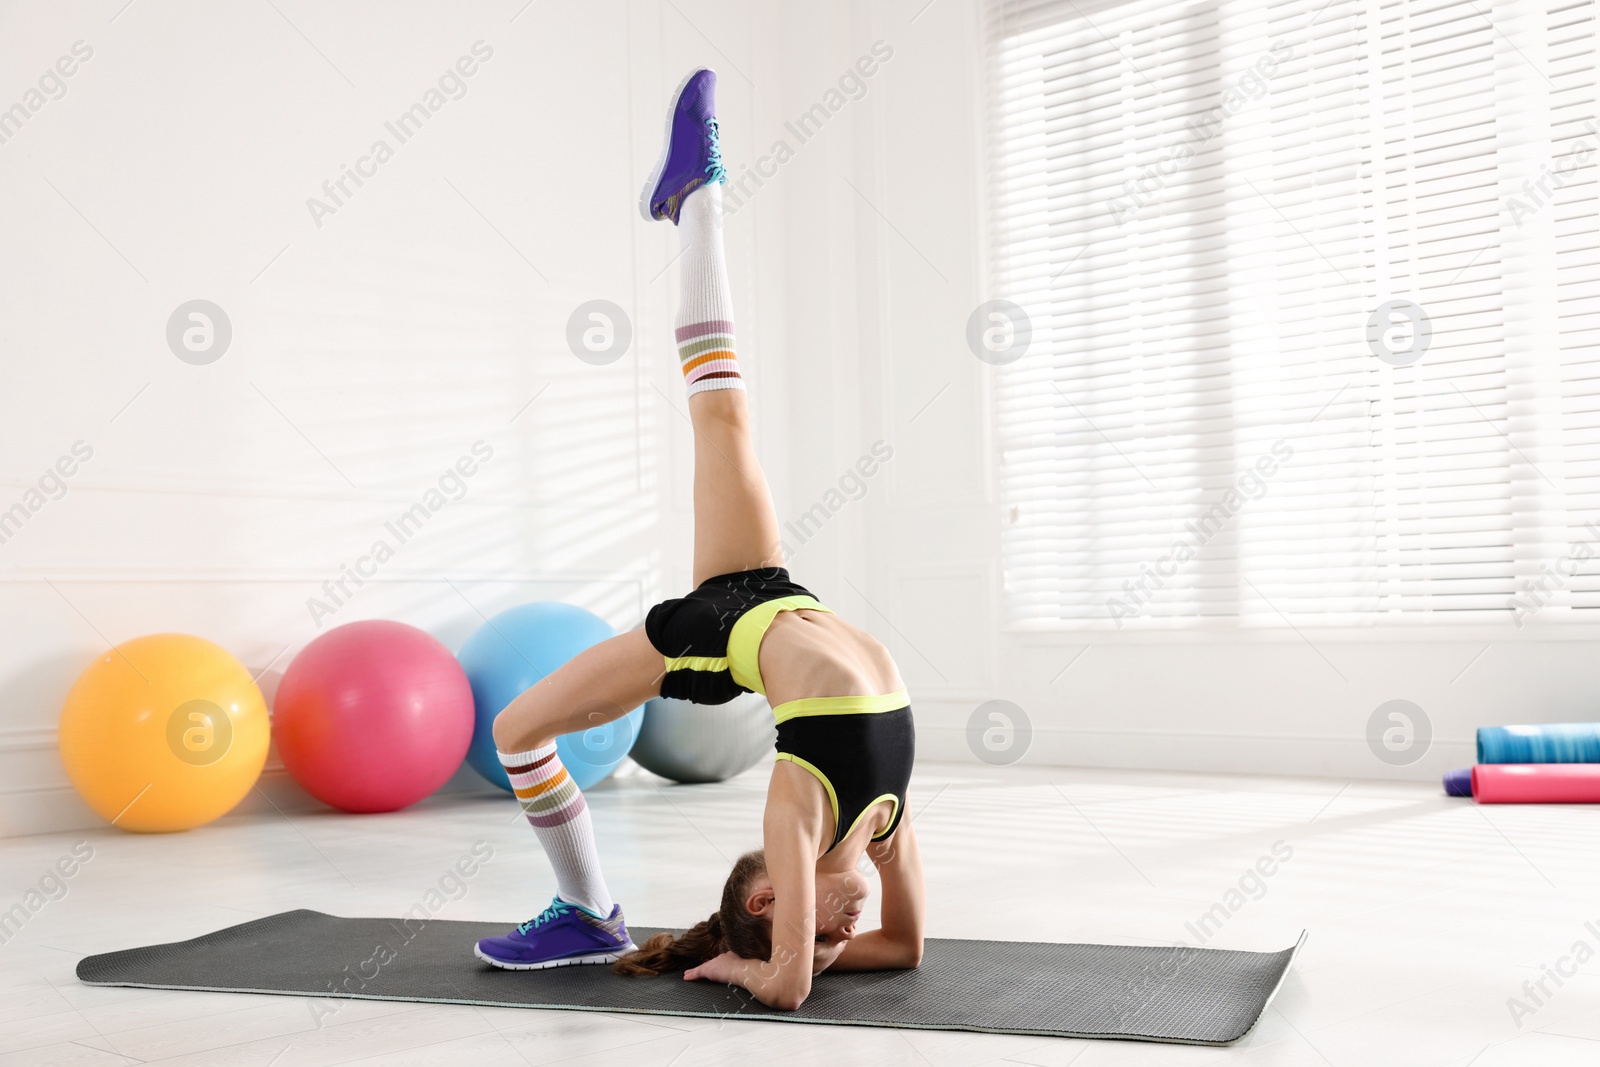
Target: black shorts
[860,748]
[711,638]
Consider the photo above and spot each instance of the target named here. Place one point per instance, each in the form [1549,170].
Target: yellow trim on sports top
[794,709]
[696,663]
[833,798]
[744,641]
[874,802]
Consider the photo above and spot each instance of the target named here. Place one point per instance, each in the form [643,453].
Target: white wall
[371,352]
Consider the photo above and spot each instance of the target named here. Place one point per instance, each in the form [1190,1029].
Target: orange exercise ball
[165,732]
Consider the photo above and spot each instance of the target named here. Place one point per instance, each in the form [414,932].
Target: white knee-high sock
[705,306]
[559,815]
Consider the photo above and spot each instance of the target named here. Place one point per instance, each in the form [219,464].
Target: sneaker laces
[556,910]
[714,169]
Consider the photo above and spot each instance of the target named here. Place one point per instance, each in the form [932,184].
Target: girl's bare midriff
[817,654]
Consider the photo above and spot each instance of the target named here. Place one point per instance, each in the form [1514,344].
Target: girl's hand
[724,968]
[765,980]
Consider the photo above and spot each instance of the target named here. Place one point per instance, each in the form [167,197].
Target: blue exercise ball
[514,650]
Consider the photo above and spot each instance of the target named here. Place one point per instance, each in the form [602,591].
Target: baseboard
[1303,756]
[57,808]
[27,739]
[46,803]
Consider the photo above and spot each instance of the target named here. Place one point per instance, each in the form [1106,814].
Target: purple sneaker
[560,936]
[692,156]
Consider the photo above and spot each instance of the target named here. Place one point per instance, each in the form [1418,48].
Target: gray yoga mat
[1194,996]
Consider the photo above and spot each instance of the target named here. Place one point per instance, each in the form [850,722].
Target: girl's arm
[898,943]
[791,844]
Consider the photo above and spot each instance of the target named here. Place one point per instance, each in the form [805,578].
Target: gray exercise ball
[690,742]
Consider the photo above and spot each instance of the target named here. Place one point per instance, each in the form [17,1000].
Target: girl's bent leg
[602,683]
[597,686]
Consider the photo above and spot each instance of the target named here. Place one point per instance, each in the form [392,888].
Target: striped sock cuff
[543,787]
[705,349]
[536,763]
[705,384]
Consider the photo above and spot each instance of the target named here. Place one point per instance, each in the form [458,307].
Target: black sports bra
[860,748]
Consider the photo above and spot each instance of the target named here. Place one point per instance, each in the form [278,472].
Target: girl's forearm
[875,950]
[778,983]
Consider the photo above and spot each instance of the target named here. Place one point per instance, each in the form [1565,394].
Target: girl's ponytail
[731,928]
[663,952]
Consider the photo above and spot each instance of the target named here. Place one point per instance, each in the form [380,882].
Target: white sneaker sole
[570,961]
[666,148]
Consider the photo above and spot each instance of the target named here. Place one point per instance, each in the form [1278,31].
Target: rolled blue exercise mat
[1458,783]
[1557,742]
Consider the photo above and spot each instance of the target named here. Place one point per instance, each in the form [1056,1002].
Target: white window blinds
[1314,289]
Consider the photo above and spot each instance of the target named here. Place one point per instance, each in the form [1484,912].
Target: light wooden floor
[1425,915]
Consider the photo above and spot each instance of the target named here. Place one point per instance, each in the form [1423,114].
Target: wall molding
[46,809]
[57,808]
[26,739]
[133,574]
[374,495]
[1338,758]
[981,571]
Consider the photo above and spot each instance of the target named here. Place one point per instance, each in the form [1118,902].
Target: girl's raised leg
[735,527]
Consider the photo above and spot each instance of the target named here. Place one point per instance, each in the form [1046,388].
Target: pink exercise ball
[373,716]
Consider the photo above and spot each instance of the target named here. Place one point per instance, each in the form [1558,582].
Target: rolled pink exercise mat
[1536,783]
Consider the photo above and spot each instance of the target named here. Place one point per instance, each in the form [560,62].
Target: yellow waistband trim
[744,641]
[833,798]
[696,663]
[794,709]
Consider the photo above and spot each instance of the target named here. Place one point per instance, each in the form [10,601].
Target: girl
[845,734]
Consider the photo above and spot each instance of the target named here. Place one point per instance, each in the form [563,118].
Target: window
[1314,295]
